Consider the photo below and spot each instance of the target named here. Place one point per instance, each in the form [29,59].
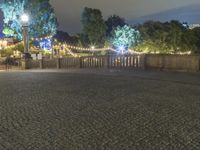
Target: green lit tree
[43,19]
[42,23]
[12,9]
[125,36]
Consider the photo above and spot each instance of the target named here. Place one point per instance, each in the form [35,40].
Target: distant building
[4,42]
[192,26]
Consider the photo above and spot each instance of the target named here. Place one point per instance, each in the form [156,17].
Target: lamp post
[25,20]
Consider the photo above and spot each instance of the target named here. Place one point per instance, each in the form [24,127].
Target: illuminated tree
[125,37]
[42,23]
[12,9]
[43,19]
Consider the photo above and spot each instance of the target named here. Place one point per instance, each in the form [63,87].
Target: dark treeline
[161,37]
[168,37]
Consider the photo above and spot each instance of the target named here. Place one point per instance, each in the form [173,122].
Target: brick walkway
[99,111]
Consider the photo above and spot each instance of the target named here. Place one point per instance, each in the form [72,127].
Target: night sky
[134,11]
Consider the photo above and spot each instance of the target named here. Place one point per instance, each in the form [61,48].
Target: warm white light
[25,18]
[92,47]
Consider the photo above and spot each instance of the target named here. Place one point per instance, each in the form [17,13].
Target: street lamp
[25,20]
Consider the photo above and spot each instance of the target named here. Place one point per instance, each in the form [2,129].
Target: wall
[190,63]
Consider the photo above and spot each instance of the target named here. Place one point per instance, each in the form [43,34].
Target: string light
[92,49]
[42,38]
[134,52]
[73,54]
[87,49]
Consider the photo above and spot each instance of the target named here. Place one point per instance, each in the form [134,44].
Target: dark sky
[134,11]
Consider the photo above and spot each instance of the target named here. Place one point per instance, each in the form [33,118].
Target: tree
[42,23]
[167,37]
[94,28]
[196,39]
[175,33]
[12,9]
[189,41]
[62,36]
[125,37]
[43,19]
[112,22]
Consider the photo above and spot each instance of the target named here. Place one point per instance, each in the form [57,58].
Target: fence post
[58,63]
[41,63]
[163,62]
[80,62]
[25,64]
[144,61]
[106,62]
[199,64]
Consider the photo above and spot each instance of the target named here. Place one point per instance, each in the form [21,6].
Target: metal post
[26,39]
[25,20]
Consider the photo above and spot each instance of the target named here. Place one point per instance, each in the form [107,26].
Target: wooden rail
[111,61]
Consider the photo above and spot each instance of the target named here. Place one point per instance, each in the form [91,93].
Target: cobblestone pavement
[99,111]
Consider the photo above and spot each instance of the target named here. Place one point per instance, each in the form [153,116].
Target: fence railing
[10,63]
[69,63]
[189,63]
[93,62]
[116,61]
[142,61]
[127,61]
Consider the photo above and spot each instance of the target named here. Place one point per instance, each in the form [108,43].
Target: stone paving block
[99,111]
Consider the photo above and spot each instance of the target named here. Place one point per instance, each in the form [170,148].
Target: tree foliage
[125,36]
[62,36]
[112,22]
[195,39]
[167,37]
[94,28]
[42,17]
[12,10]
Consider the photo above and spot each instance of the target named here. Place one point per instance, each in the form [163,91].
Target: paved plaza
[99,110]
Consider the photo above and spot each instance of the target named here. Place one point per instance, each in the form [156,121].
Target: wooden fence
[2,65]
[14,64]
[147,61]
[93,62]
[127,61]
[189,63]
[69,63]
[113,61]
[116,61]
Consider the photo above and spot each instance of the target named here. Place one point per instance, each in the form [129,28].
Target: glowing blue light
[45,44]
[121,48]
